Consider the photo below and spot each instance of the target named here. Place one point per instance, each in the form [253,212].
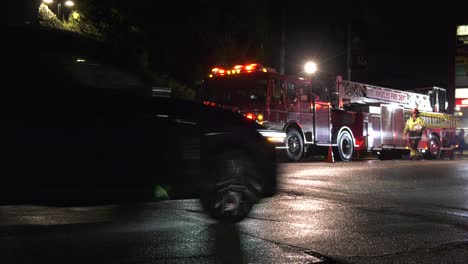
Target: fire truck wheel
[345,146]
[237,187]
[294,145]
[434,148]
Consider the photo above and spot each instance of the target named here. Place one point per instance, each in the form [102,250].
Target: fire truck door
[322,123]
[277,105]
[306,115]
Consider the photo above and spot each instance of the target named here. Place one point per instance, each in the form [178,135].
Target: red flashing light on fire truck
[238,69]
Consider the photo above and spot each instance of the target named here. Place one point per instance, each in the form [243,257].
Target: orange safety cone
[330,157]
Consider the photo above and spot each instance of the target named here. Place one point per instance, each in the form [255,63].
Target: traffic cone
[330,157]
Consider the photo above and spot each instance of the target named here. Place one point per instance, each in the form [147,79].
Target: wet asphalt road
[357,212]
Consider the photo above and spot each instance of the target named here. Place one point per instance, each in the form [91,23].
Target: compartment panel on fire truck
[392,125]
[399,125]
[387,125]
[377,141]
[322,123]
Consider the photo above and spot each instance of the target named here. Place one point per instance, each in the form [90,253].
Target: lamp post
[59,11]
[69,4]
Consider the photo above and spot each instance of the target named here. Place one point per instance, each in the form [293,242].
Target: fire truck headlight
[272,136]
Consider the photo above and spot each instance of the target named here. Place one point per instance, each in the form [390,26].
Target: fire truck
[277,101]
[375,117]
[366,118]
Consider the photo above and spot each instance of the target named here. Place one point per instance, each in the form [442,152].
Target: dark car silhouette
[75,125]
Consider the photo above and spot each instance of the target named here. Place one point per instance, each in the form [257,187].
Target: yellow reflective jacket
[417,124]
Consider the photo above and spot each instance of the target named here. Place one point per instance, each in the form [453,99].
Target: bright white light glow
[48,1]
[461,93]
[462,30]
[69,3]
[392,106]
[310,67]
[273,136]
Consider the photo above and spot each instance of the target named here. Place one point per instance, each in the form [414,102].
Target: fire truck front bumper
[277,138]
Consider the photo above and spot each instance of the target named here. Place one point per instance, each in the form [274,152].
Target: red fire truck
[277,101]
[366,118]
[376,118]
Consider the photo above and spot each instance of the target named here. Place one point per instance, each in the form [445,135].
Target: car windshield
[95,73]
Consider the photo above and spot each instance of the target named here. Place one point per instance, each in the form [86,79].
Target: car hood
[213,116]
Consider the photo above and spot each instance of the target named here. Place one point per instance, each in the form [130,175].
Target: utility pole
[283,39]
[348,64]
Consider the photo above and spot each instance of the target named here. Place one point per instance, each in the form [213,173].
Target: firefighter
[414,127]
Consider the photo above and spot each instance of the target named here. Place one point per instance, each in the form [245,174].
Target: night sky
[405,45]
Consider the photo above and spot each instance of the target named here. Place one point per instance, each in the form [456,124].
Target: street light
[310,67]
[68,3]
[59,8]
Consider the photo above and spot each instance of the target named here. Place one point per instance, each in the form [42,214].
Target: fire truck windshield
[236,92]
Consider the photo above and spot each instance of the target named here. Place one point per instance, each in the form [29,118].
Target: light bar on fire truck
[239,69]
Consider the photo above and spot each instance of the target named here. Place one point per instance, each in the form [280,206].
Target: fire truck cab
[276,101]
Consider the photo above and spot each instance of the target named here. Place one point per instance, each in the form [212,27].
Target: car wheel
[381,156]
[345,146]
[294,145]
[238,185]
[434,148]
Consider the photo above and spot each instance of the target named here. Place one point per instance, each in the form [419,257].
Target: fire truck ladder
[353,92]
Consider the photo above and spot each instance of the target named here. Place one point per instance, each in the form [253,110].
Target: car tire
[294,145]
[345,146]
[381,156]
[238,185]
